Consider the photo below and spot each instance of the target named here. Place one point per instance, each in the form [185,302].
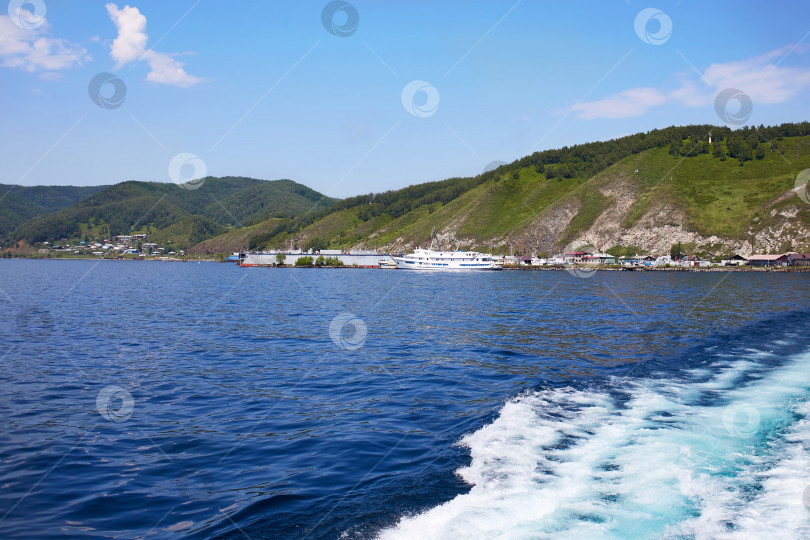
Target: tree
[303,261]
[675,148]
[315,244]
[280,259]
[676,251]
[320,261]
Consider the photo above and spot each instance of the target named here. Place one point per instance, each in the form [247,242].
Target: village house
[736,260]
[769,261]
[575,257]
[599,258]
[799,259]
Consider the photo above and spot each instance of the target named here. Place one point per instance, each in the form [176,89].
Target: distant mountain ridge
[714,189]
[18,204]
[190,215]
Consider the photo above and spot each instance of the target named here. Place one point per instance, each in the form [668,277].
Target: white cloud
[131,41]
[167,70]
[35,50]
[763,78]
[627,103]
[130,46]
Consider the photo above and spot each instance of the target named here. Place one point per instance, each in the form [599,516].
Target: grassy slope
[490,210]
[188,231]
[718,197]
[235,239]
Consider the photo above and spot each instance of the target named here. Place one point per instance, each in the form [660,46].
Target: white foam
[579,464]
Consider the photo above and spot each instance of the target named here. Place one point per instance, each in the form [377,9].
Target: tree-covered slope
[712,188]
[18,204]
[640,191]
[134,206]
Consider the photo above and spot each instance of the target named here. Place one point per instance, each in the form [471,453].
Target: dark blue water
[149,399]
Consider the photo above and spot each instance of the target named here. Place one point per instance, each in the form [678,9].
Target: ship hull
[439,265]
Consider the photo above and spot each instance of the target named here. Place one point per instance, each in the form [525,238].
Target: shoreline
[788,269]
[105,259]
[557,268]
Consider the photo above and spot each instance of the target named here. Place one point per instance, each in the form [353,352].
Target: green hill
[171,213]
[18,204]
[234,240]
[716,190]
[643,192]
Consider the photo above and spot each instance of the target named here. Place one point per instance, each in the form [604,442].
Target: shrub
[304,261]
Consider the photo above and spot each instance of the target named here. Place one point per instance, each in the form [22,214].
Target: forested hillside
[18,204]
[706,185]
[714,189]
[188,216]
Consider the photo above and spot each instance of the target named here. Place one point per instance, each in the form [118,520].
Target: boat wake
[717,452]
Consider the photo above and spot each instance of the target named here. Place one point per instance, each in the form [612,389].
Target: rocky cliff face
[659,227]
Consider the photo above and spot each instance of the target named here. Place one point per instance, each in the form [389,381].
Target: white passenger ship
[429,259]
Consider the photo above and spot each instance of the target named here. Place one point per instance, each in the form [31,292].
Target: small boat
[388,264]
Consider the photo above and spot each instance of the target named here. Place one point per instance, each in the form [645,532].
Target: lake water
[204,400]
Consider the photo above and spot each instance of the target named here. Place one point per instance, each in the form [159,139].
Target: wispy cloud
[130,46]
[763,78]
[631,102]
[35,50]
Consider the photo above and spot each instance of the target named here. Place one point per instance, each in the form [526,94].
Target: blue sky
[263,89]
